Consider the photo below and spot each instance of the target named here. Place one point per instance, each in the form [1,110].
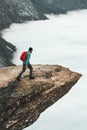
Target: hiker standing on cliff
[26,64]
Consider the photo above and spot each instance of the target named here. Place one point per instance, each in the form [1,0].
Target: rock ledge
[21,103]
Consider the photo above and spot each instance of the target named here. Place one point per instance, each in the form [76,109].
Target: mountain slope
[70,4]
[44,6]
[6,53]
[13,11]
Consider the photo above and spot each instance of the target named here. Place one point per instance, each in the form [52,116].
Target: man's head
[30,49]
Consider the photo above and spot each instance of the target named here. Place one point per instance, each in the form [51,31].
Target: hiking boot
[18,79]
[32,77]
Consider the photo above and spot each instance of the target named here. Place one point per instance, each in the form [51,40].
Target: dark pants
[23,70]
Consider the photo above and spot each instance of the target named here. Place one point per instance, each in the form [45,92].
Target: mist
[60,40]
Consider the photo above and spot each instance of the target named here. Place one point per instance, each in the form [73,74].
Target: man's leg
[20,74]
[31,69]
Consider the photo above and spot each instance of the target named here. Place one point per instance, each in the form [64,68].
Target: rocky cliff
[59,6]
[21,103]
[14,11]
[69,4]
[46,7]
[6,53]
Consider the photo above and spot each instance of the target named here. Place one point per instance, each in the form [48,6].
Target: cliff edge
[21,103]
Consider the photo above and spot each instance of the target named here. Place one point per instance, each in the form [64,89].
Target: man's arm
[28,58]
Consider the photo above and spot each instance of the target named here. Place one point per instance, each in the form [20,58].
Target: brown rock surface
[21,103]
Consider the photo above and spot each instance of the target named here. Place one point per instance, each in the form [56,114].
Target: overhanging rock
[21,103]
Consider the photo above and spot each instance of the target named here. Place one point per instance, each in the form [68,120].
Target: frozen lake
[60,40]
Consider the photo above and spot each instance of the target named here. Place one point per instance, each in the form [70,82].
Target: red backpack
[23,56]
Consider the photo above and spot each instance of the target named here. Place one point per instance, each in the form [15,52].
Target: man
[26,64]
